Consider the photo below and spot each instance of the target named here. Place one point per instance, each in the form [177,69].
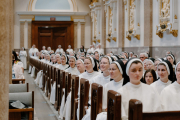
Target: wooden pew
[56,105]
[28,99]
[84,97]
[48,85]
[114,105]
[74,96]
[62,86]
[14,88]
[96,100]
[18,81]
[44,75]
[67,84]
[136,113]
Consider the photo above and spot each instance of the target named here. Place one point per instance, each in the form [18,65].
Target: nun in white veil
[170,96]
[23,57]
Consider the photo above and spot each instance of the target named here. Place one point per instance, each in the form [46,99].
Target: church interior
[89,60]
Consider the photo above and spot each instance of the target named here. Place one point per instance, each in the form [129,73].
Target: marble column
[78,34]
[148,22]
[6,36]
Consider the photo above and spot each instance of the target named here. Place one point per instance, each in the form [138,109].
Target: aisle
[42,109]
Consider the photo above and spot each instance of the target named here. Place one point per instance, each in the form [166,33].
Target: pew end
[96,100]
[114,105]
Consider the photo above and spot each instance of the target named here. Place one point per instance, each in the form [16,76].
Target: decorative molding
[53,13]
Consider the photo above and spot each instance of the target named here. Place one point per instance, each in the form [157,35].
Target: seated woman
[72,69]
[64,62]
[104,77]
[137,90]
[67,108]
[117,72]
[90,65]
[149,76]
[170,96]
[53,89]
[165,73]
[16,69]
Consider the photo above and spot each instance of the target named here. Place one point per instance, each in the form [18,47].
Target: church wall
[168,39]
[23,24]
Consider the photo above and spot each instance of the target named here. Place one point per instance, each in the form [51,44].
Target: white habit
[170,97]
[23,56]
[159,85]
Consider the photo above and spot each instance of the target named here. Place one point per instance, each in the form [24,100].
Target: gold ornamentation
[108,39]
[114,29]
[160,34]
[128,37]
[114,38]
[137,36]
[138,24]
[98,41]
[174,33]
[94,41]
[175,17]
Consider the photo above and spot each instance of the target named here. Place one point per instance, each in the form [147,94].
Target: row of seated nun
[129,77]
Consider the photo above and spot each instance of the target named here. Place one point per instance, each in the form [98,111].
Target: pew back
[67,84]
[74,95]
[96,100]
[114,105]
[136,113]
[14,88]
[84,96]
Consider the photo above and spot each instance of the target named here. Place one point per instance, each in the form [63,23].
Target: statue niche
[165,10]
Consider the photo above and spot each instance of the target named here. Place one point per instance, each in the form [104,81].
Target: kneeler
[18,81]
[74,96]
[96,100]
[136,113]
[56,105]
[114,105]
[84,97]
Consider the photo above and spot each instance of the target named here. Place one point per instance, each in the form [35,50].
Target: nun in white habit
[64,62]
[137,90]
[104,77]
[69,50]
[117,71]
[73,70]
[91,71]
[165,73]
[72,66]
[67,109]
[53,89]
[23,57]
[170,96]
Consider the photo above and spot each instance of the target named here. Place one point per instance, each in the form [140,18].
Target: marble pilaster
[22,34]
[29,35]
[6,36]
[83,34]
[148,22]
